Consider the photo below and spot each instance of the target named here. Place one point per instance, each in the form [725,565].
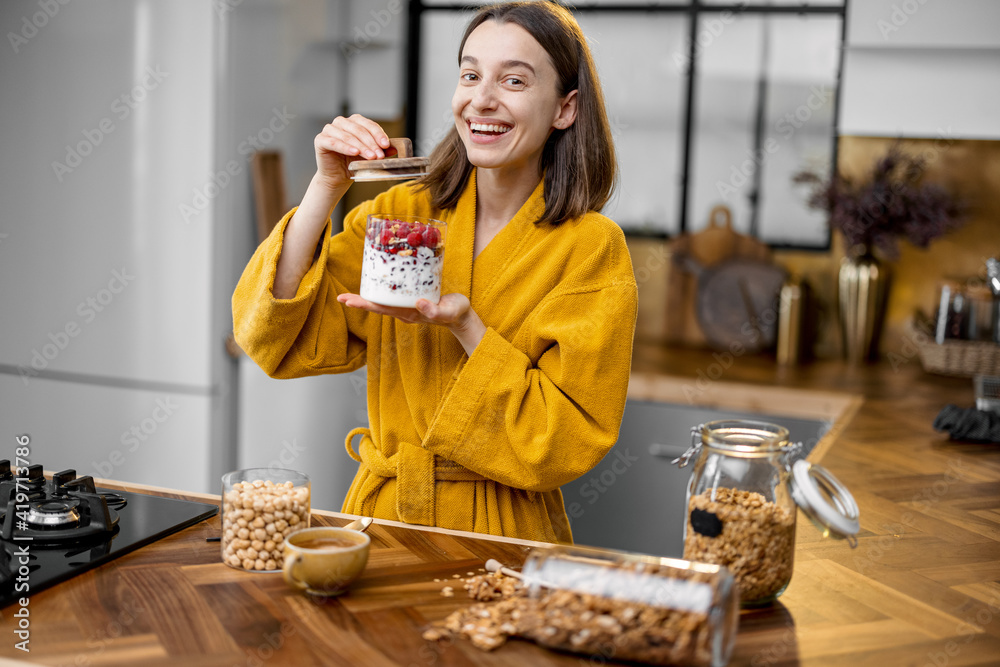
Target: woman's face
[507,101]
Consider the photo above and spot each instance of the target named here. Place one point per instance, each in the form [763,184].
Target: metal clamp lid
[825,501]
[692,449]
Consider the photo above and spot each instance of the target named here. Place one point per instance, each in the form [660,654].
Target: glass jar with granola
[623,606]
[742,499]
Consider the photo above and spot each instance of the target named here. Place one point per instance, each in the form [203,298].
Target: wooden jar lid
[391,168]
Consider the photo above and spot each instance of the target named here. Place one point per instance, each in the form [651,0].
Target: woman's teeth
[493,129]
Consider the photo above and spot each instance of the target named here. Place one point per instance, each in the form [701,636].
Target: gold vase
[863,284]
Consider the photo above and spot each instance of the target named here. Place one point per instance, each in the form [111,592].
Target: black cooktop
[53,529]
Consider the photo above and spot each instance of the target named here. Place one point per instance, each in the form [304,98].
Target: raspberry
[386,237]
[403,231]
[414,239]
[431,237]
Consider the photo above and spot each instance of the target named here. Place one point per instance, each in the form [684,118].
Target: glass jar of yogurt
[403,259]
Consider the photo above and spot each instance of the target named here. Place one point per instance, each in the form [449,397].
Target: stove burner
[115,501]
[54,514]
[64,510]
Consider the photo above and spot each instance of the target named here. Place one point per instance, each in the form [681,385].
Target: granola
[579,622]
[753,537]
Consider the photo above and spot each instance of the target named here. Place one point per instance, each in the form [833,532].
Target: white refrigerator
[126,219]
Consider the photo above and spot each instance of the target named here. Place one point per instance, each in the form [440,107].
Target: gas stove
[53,529]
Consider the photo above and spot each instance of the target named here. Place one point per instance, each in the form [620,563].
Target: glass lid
[826,501]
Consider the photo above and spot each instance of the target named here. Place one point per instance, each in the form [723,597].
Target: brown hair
[579,162]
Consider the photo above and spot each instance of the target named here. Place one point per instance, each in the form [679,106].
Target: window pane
[640,59]
[729,63]
[778,71]
[441,33]
[801,98]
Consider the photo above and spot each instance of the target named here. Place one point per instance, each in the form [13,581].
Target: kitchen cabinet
[921,69]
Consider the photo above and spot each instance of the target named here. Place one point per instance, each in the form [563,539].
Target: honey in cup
[325,561]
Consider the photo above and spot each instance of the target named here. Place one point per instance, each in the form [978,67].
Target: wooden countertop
[921,588]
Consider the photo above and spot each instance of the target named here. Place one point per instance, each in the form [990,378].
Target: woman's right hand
[340,143]
[343,141]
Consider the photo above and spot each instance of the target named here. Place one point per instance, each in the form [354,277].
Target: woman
[514,383]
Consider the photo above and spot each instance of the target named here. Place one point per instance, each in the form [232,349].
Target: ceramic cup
[325,561]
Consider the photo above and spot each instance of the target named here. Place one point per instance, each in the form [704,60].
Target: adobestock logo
[137,435]
[122,107]
[30,27]
[820,97]
[710,29]
[88,310]
[202,196]
[598,485]
[898,17]
[290,452]
[362,38]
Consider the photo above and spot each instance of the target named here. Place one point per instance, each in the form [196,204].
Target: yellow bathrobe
[478,443]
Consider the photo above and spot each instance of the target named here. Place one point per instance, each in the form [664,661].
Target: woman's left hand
[453,311]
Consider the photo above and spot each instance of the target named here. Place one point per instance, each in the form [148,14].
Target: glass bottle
[742,500]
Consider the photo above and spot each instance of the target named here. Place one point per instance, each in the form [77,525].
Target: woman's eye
[514,81]
[469,76]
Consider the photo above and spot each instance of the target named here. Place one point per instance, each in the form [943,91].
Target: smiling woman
[483,404]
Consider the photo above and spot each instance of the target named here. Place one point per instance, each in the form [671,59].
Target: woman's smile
[488,131]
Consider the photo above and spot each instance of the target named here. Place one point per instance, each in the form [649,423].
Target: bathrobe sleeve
[283,336]
[539,411]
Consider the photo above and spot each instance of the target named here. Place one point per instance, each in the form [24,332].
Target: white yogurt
[399,280]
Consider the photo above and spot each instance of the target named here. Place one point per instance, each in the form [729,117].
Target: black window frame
[695,10]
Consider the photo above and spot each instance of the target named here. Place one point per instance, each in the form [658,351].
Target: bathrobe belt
[416,470]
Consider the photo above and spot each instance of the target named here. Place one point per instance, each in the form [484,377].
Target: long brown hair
[578,162]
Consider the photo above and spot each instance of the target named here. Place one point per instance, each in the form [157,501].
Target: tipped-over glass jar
[624,606]
[742,499]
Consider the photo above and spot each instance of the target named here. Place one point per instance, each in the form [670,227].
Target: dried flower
[892,203]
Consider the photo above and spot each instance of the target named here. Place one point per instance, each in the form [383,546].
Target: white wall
[922,68]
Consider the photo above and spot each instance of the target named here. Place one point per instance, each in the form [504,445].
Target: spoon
[494,565]
[360,525]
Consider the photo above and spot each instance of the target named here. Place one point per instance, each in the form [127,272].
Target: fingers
[356,136]
[408,315]
[425,311]
[426,308]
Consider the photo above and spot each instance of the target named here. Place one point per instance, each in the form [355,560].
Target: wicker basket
[956,357]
